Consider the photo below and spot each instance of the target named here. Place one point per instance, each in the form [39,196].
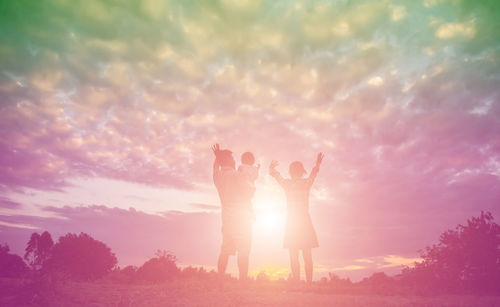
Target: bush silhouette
[466,260]
[339,285]
[126,275]
[379,283]
[192,272]
[158,269]
[11,265]
[81,257]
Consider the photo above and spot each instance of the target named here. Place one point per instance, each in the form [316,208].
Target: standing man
[235,197]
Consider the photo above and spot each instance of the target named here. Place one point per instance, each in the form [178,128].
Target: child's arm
[315,170]
[275,174]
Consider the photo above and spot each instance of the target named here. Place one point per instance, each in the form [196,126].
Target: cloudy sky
[108,110]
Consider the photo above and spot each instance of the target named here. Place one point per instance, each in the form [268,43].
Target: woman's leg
[308,264]
[294,263]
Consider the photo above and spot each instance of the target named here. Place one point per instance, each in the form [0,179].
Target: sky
[108,110]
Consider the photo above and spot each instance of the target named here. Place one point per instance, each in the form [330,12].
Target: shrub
[125,275]
[158,269]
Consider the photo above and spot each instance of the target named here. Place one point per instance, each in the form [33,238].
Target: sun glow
[267,221]
[269,217]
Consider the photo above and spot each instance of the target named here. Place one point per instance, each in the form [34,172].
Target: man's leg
[308,264]
[226,249]
[294,263]
[222,263]
[243,265]
[244,244]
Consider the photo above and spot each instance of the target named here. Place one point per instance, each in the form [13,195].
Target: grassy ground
[197,293]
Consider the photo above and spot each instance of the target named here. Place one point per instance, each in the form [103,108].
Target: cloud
[22,226]
[206,207]
[135,100]
[9,204]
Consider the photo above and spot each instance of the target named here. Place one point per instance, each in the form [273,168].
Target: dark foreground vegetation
[195,292]
[462,269]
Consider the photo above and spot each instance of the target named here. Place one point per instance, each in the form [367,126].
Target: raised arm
[275,174]
[315,170]
[216,170]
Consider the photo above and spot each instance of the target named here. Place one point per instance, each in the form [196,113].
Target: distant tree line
[78,257]
[466,260]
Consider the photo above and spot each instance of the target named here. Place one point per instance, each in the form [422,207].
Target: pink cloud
[206,207]
[7,203]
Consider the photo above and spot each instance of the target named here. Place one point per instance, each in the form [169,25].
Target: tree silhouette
[466,259]
[11,265]
[38,249]
[81,257]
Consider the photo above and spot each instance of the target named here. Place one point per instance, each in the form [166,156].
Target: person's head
[247,158]
[225,158]
[297,170]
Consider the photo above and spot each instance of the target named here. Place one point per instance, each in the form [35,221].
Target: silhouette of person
[299,230]
[235,197]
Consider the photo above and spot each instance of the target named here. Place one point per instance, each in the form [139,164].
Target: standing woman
[299,230]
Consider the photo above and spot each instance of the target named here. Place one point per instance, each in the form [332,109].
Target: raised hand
[319,158]
[216,149]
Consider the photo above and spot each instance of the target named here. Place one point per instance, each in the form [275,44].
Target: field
[196,293]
